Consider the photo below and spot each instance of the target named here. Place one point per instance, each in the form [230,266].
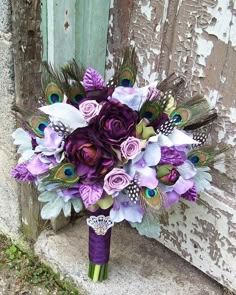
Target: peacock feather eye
[76,93]
[148,115]
[180,117]
[64,174]
[194,159]
[199,158]
[126,83]
[69,172]
[76,99]
[53,93]
[152,197]
[38,125]
[150,193]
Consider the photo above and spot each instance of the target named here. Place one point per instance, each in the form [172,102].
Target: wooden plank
[27,57]
[196,39]
[91,33]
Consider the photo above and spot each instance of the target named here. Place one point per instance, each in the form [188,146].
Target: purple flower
[92,157]
[89,109]
[167,174]
[124,209]
[115,123]
[171,199]
[93,80]
[21,173]
[130,148]
[154,94]
[169,155]
[191,194]
[90,194]
[132,97]
[116,180]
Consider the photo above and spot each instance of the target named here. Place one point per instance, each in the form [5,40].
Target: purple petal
[93,80]
[187,170]
[51,138]
[182,185]
[169,155]
[21,173]
[171,199]
[152,154]
[147,177]
[90,194]
[191,194]
[36,167]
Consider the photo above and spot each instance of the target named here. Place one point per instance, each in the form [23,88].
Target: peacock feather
[127,72]
[205,155]
[73,88]
[52,84]
[64,174]
[192,114]
[35,122]
[151,198]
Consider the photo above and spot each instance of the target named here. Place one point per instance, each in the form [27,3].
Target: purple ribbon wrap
[99,245]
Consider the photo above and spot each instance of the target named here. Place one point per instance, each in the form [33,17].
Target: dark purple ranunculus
[115,122]
[191,194]
[169,155]
[92,157]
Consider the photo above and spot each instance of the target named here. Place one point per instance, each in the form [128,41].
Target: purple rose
[116,180]
[115,123]
[92,157]
[90,194]
[130,148]
[167,174]
[89,109]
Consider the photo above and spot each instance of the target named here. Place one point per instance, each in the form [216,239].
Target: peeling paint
[232,115]
[223,22]
[147,10]
[204,48]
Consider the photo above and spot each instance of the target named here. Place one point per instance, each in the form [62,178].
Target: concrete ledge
[138,265]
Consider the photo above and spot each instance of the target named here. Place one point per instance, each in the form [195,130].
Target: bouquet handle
[100,226]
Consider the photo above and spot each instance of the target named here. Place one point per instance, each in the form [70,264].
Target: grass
[30,271]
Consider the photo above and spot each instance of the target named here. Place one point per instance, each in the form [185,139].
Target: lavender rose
[115,123]
[92,157]
[89,109]
[130,148]
[116,180]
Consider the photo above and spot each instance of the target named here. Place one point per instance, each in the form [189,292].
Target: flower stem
[98,272]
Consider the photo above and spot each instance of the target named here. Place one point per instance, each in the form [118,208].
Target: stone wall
[9,202]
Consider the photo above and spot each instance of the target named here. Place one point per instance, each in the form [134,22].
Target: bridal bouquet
[119,151]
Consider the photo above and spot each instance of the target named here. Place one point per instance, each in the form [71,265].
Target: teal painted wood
[91,33]
[61,25]
[75,29]
[44,21]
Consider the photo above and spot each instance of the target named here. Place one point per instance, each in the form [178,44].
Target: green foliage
[31,271]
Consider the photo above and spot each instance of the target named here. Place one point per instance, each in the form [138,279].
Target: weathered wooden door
[196,39]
